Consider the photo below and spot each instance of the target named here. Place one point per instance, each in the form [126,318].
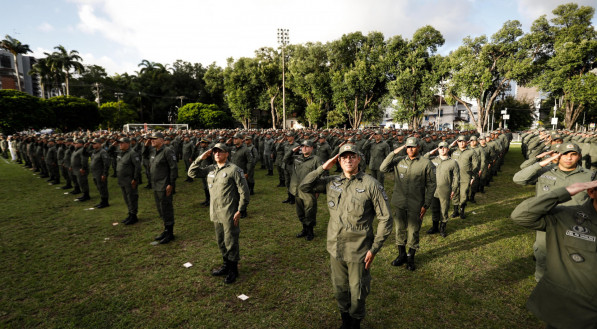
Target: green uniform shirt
[566,296]
[377,152]
[467,160]
[414,181]
[128,167]
[353,204]
[447,177]
[228,189]
[163,168]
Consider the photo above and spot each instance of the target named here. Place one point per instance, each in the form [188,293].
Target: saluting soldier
[188,154]
[306,203]
[229,194]
[268,153]
[414,186]
[447,178]
[62,160]
[203,147]
[128,167]
[480,162]
[378,150]
[52,162]
[354,199]
[565,296]
[100,164]
[323,151]
[560,170]
[466,159]
[251,169]
[288,146]
[164,170]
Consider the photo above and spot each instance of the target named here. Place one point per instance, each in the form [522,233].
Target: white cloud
[45,27]
[532,9]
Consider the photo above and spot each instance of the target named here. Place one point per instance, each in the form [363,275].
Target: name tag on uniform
[359,190]
[336,188]
[581,236]
[224,174]
[211,174]
[403,166]
[549,177]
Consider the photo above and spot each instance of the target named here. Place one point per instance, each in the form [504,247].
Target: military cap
[97,140]
[124,140]
[322,136]
[307,142]
[461,138]
[400,133]
[473,138]
[568,147]
[377,132]
[289,134]
[248,137]
[203,140]
[442,144]
[412,142]
[51,140]
[156,135]
[80,141]
[556,136]
[348,148]
[238,135]
[167,139]
[60,138]
[70,140]
[352,140]
[221,146]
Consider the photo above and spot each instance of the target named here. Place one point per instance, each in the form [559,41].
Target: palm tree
[64,61]
[43,70]
[15,47]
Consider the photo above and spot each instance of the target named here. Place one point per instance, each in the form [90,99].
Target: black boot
[356,324]
[67,186]
[75,191]
[401,259]
[148,186]
[270,172]
[456,212]
[126,219]
[482,189]
[161,236]
[310,235]
[288,199]
[462,215]
[103,204]
[410,263]
[346,320]
[434,228]
[132,219]
[243,214]
[442,229]
[222,270]
[251,188]
[84,197]
[281,184]
[232,273]
[169,234]
[472,198]
[302,233]
[292,199]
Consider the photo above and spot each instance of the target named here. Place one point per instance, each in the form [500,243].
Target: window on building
[441,113]
[5,61]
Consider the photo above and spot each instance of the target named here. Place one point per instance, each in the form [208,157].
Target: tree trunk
[17,72]
[273,109]
[68,92]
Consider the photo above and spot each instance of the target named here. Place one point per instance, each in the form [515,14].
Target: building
[8,80]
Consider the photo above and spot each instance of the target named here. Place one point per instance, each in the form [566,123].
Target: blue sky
[119,34]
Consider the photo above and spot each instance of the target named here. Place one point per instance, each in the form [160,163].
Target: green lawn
[64,266]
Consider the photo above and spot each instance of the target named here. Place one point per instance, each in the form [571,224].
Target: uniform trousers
[408,225]
[131,198]
[165,207]
[306,208]
[351,283]
[227,238]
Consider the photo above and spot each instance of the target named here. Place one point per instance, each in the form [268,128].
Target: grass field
[67,267]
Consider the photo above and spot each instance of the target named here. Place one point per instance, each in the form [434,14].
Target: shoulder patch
[383,192]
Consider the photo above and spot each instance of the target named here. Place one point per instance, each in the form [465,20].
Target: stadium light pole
[181,98]
[283,39]
[118,95]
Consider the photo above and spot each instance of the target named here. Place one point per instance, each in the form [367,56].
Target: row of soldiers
[562,165]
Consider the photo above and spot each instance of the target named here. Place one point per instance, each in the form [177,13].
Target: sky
[119,34]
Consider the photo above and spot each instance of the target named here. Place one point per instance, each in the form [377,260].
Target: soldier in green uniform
[323,150]
[288,146]
[51,159]
[251,169]
[354,199]
[128,168]
[268,153]
[565,296]
[80,168]
[203,147]
[477,165]
[378,149]
[188,149]
[306,203]
[229,195]
[466,159]
[100,164]
[278,157]
[164,171]
[447,178]
[414,186]
[559,170]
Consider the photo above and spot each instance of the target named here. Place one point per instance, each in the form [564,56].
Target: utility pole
[283,39]
[181,98]
[97,92]
[118,95]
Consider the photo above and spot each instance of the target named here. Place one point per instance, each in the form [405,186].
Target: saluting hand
[206,154]
[369,259]
[296,149]
[550,159]
[579,187]
[330,163]
[433,151]
[168,190]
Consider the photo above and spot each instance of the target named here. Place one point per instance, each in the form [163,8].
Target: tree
[270,76]
[415,73]
[521,114]
[15,47]
[204,116]
[64,61]
[242,88]
[309,78]
[358,75]
[20,111]
[481,70]
[214,85]
[43,70]
[564,54]
[72,112]
[116,114]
